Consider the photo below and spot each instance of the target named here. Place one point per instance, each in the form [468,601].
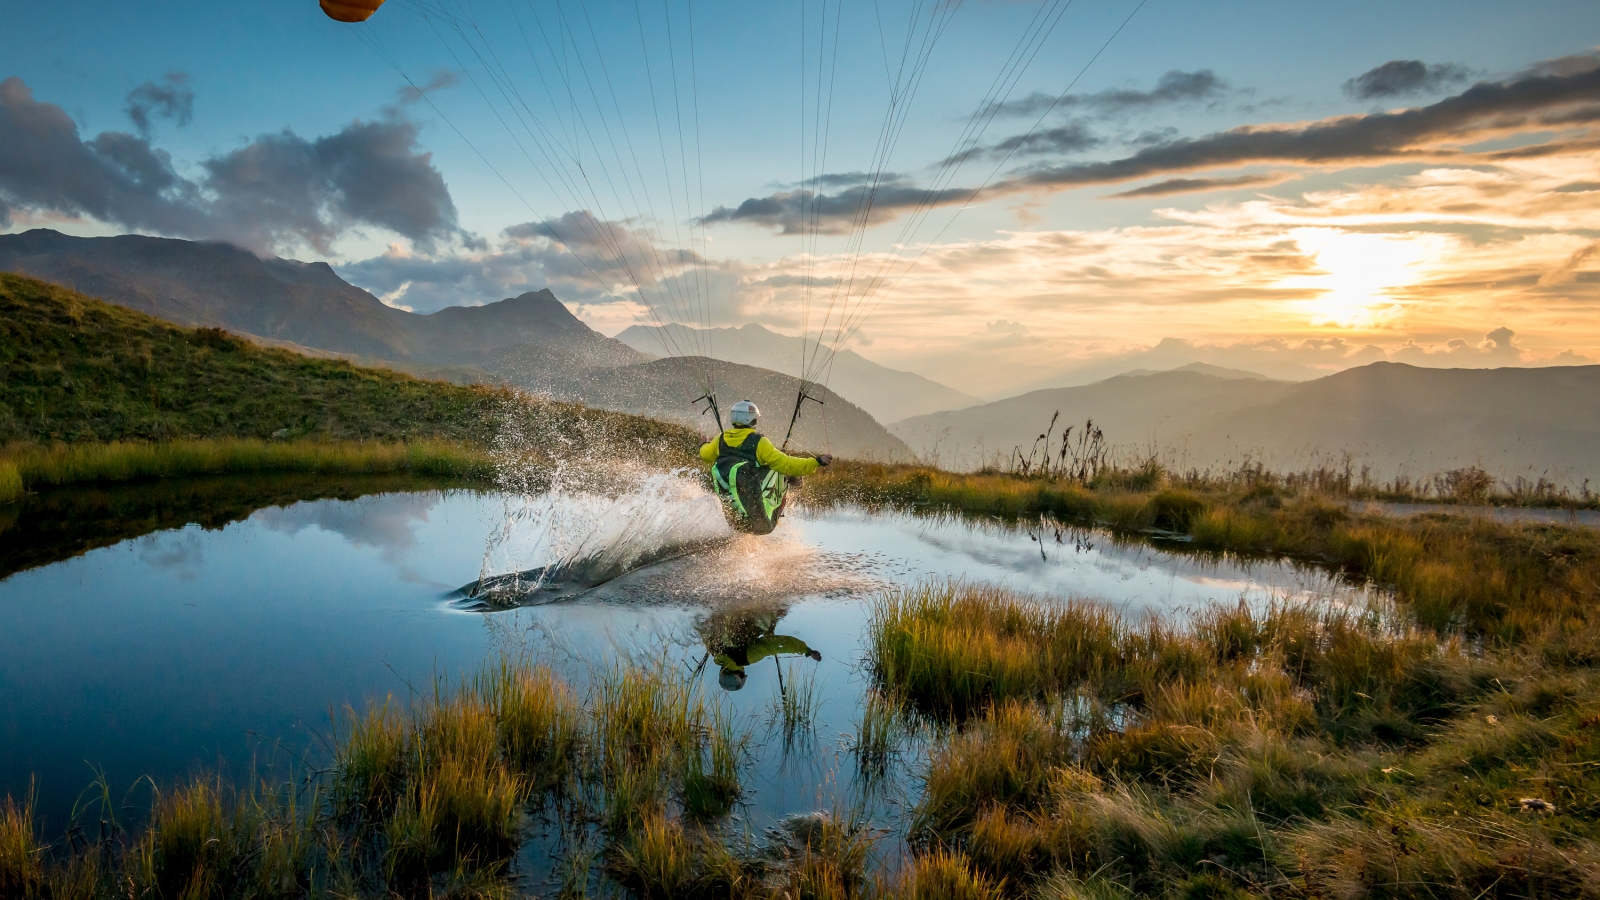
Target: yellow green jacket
[761,648]
[766,454]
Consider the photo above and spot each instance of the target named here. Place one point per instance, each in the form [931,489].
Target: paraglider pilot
[751,474]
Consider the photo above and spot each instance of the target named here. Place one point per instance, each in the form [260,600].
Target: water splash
[578,514]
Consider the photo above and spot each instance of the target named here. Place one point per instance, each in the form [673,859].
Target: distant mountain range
[888,394]
[305,304]
[1396,418]
[531,341]
[1399,419]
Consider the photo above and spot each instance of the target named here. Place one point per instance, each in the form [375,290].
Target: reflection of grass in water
[711,773]
[794,708]
[879,731]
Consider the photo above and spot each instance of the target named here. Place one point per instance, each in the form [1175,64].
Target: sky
[1000,195]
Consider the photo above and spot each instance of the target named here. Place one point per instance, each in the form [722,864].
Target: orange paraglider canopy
[350,10]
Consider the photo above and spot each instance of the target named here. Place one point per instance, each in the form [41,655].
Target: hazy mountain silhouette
[1398,418]
[888,394]
[1133,409]
[194,283]
[1204,369]
[532,341]
[666,388]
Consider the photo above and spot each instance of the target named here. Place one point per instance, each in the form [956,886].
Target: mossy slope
[73,369]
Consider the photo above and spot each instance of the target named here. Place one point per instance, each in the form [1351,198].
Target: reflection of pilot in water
[740,638]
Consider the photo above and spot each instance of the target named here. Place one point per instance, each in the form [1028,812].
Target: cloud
[1533,102]
[1496,349]
[620,268]
[1567,272]
[789,211]
[1405,77]
[1174,88]
[1070,138]
[1560,94]
[281,187]
[1195,185]
[170,100]
[278,191]
[441,79]
[115,177]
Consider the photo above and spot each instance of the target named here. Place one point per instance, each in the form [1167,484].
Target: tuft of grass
[952,648]
[21,854]
[662,859]
[946,875]
[372,760]
[828,858]
[1006,758]
[11,486]
[538,721]
[192,845]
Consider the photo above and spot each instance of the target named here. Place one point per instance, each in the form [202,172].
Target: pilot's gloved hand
[824,459]
[815,654]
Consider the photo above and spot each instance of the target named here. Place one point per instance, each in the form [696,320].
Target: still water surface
[191,650]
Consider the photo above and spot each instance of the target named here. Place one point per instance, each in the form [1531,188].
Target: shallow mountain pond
[233,648]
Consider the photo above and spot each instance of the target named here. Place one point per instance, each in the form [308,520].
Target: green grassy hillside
[95,392]
[73,369]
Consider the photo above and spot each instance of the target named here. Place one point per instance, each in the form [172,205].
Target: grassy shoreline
[1496,581]
[26,467]
[1446,744]
[1294,751]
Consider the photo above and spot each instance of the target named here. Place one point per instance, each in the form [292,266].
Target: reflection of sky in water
[192,649]
[1132,577]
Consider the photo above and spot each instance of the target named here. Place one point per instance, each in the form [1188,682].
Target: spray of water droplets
[580,511]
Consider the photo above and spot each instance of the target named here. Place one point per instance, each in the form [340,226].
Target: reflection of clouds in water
[1048,560]
[179,551]
[387,522]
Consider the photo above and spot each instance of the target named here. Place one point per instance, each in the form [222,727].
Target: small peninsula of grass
[91,392]
[1452,572]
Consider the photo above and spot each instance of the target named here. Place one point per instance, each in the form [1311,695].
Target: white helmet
[744,414]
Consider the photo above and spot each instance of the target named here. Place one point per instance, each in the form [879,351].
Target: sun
[1360,275]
